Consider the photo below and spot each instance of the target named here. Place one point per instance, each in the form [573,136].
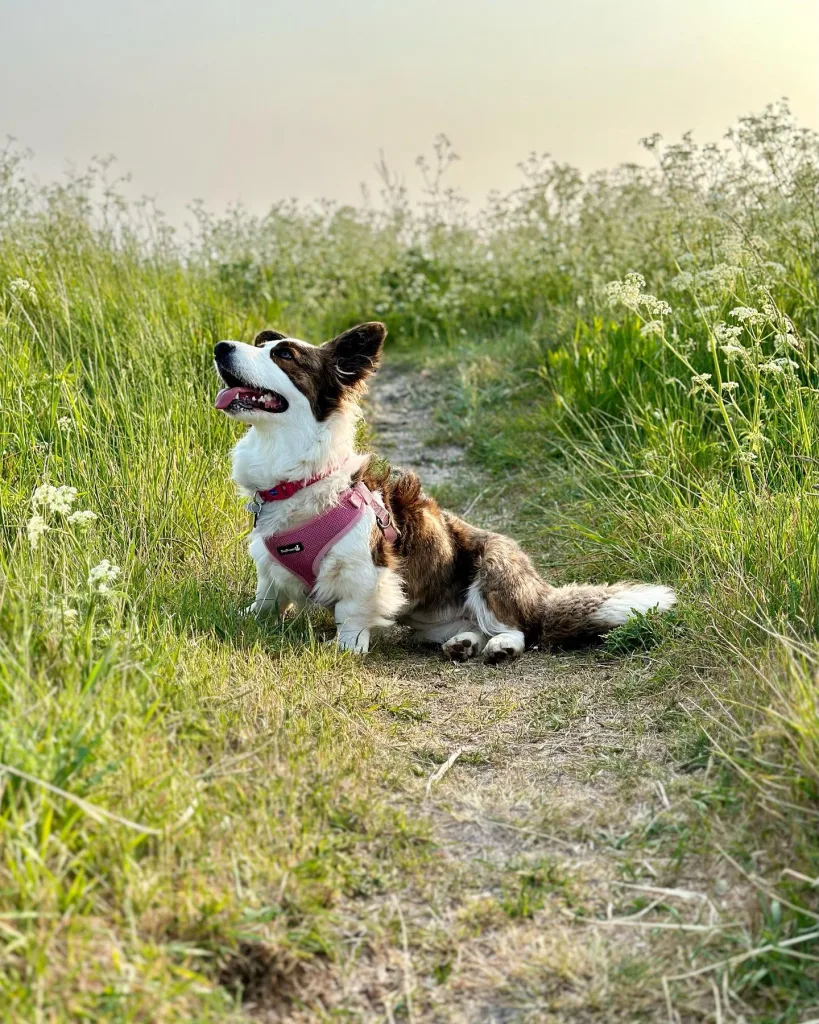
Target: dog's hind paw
[463,646]
[503,647]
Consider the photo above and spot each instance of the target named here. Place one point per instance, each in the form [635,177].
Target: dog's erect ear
[265,336]
[355,353]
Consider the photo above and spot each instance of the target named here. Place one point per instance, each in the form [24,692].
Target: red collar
[287,488]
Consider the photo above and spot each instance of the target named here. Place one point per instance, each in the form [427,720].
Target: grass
[203,817]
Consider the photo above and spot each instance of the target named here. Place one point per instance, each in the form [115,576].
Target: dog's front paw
[357,641]
[251,609]
[463,646]
[504,647]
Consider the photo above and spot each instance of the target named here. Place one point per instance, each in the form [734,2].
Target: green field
[204,817]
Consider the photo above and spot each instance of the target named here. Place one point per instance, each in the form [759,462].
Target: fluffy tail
[580,610]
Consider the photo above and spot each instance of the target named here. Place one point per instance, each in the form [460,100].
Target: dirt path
[532,776]
[400,412]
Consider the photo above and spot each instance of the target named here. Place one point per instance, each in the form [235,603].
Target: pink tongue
[226,396]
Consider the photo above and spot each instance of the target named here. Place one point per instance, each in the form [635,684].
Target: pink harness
[301,550]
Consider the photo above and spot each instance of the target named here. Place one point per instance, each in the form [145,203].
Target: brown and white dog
[472,591]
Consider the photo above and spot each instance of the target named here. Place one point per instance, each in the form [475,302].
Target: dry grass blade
[92,810]
[441,771]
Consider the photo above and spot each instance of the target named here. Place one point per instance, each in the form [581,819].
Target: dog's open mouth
[239,398]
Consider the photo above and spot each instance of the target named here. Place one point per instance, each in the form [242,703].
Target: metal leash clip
[254,507]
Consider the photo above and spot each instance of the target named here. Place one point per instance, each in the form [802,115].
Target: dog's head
[279,378]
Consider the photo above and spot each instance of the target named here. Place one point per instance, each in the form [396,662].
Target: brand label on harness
[291,549]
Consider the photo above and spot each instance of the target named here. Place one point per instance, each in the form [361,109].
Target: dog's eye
[282,353]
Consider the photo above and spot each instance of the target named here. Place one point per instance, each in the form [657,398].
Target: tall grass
[653,330]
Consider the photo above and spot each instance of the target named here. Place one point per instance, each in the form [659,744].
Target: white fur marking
[440,632]
[487,622]
[642,597]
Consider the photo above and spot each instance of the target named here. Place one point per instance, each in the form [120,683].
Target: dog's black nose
[223,349]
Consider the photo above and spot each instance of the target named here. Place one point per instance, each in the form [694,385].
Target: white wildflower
[65,423]
[654,328]
[732,247]
[20,287]
[777,366]
[82,518]
[655,306]
[748,315]
[729,386]
[627,292]
[699,382]
[732,351]
[720,277]
[35,528]
[630,293]
[747,458]
[54,499]
[62,619]
[726,332]
[785,342]
[102,576]
[682,281]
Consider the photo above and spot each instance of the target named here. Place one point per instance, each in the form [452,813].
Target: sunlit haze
[254,101]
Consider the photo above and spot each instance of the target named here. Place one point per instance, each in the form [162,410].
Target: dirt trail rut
[529,774]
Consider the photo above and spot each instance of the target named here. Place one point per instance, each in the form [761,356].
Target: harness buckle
[386,523]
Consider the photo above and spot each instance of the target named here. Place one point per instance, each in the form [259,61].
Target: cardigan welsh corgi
[373,546]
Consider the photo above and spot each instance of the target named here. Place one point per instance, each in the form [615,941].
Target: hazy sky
[253,101]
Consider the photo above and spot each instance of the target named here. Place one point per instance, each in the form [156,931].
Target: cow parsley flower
[102,576]
[629,292]
[726,332]
[35,528]
[20,287]
[82,518]
[655,306]
[65,423]
[720,277]
[652,329]
[699,382]
[778,366]
[54,499]
[730,385]
[682,281]
[748,316]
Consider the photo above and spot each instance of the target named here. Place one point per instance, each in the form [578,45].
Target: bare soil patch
[534,780]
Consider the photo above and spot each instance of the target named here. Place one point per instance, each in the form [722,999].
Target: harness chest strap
[301,550]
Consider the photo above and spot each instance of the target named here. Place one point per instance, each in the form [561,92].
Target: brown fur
[440,555]
[330,374]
